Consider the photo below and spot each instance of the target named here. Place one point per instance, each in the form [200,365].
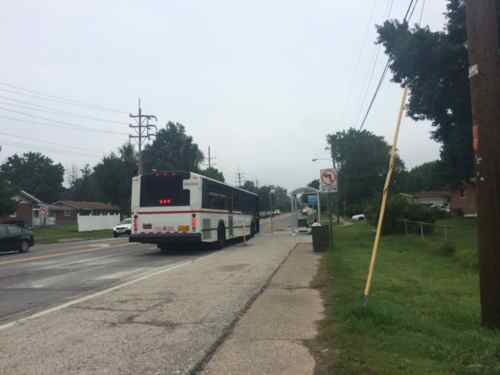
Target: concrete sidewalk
[268,338]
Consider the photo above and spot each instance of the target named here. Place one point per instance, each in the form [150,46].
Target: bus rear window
[164,191]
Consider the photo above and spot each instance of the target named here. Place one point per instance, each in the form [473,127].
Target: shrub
[399,208]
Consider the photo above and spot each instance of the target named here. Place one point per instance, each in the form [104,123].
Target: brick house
[31,211]
[464,200]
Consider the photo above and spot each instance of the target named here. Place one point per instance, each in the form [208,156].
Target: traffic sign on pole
[328,180]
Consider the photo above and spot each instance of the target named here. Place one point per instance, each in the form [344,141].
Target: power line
[18,90]
[348,98]
[69,124]
[388,12]
[411,7]
[30,146]
[38,141]
[36,107]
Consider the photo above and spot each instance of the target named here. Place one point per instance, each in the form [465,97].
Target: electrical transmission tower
[143,129]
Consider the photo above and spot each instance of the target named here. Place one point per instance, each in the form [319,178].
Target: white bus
[170,208]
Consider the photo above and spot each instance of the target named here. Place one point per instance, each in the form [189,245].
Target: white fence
[97,222]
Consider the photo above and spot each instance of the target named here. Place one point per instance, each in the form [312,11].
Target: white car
[359,217]
[123,228]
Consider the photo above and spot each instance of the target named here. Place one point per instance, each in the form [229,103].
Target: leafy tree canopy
[172,149]
[7,204]
[36,174]
[426,177]
[113,176]
[275,195]
[314,184]
[213,173]
[362,159]
[250,186]
[433,65]
[83,187]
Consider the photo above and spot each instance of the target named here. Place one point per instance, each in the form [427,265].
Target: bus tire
[221,236]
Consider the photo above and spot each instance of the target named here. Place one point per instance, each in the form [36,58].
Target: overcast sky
[262,82]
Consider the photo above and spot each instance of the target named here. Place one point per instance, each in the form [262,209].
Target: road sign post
[328,185]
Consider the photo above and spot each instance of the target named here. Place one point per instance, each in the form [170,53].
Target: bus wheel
[221,236]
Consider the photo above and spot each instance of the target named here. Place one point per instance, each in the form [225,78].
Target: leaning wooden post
[384,197]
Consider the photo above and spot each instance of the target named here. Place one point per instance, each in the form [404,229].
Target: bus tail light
[194,222]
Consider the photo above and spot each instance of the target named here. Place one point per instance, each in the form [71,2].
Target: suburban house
[68,211]
[31,211]
[464,200]
[438,199]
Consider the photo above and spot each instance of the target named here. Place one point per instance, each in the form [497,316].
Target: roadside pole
[483,34]
[330,219]
[385,194]
[271,209]
[319,205]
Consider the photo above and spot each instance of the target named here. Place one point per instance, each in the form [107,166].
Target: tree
[172,149]
[314,184]
[279,197]
[113,176]
[213,173]
[250,186]
[35,173]
[7,204]
[434,66]
[425,177]
[363,159]
[84,188]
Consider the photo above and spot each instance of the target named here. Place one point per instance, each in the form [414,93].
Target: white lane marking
[94,295]
[119,275]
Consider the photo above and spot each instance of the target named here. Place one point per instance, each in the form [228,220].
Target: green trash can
[320,237]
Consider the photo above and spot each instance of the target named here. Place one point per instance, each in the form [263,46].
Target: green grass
[67,232]
[423,315]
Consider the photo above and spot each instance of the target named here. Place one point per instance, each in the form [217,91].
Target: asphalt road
[53,274]
[50,275]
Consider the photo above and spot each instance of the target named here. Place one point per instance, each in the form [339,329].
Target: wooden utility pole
[483,31]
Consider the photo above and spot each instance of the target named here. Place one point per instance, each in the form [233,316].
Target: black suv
[14,237]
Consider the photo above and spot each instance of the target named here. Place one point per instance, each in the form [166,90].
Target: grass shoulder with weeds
[423,314]
[45,235]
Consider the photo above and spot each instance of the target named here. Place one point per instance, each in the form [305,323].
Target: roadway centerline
[85,249]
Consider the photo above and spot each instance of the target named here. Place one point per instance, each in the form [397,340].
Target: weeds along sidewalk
[423,315]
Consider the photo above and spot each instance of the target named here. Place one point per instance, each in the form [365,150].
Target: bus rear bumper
[166,238]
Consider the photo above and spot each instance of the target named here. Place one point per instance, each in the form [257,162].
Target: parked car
[15,238]
[123,228]
[358,217]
